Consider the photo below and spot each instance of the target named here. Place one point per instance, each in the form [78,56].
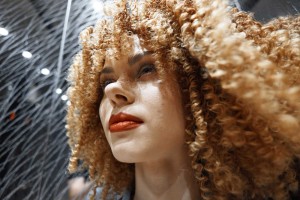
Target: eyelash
[106,82]
[143,70]
[146,69]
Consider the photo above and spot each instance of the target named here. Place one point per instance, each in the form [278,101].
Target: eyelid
[105,83]
[142,66]
[109,77]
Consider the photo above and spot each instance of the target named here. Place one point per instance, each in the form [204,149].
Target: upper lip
[121,117]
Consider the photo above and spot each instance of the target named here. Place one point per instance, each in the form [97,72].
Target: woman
[187,100]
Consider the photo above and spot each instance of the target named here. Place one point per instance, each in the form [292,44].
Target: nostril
[121,97]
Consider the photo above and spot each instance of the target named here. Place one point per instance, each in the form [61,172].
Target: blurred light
[68,103]
[97,5]
[58,91]
[45,71]
[26,54]
[3,31]
[64,97]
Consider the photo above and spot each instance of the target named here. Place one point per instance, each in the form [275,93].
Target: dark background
[33,143]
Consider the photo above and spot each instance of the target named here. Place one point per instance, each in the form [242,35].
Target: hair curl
[240,83]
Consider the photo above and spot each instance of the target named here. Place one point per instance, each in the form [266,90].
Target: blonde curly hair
[240,83]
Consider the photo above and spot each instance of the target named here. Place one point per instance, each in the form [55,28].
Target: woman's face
[141,114]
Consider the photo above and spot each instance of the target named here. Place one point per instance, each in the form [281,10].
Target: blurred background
[38,39]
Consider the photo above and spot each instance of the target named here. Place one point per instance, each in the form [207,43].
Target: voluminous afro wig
[240,85]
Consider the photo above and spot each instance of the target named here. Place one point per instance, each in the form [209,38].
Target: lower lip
[123,126]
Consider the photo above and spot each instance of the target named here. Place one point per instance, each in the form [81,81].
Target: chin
[125,155]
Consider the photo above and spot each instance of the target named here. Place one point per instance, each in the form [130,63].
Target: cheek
[165,104]
[102,111]
[172,95]
[173,103]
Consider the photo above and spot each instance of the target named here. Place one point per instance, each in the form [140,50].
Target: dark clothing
[126,195]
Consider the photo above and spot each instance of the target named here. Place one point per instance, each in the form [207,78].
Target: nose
[119,93]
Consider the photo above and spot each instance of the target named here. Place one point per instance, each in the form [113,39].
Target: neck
[164,180]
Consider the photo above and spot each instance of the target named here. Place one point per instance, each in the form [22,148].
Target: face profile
[186,100]
[137,108]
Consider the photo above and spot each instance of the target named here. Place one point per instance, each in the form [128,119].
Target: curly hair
[240,83]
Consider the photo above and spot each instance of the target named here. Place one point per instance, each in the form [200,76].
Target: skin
[131,85]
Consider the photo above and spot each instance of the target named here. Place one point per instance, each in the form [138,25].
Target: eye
[146,69]
[106,82]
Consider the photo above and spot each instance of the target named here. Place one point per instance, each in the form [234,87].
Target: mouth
[123,122]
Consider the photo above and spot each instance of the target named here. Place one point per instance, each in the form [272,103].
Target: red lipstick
[123,122]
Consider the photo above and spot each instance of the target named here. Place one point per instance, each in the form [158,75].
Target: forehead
[128,47]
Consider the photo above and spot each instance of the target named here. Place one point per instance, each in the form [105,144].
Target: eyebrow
[106,70]
[131,61]
[137,57]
